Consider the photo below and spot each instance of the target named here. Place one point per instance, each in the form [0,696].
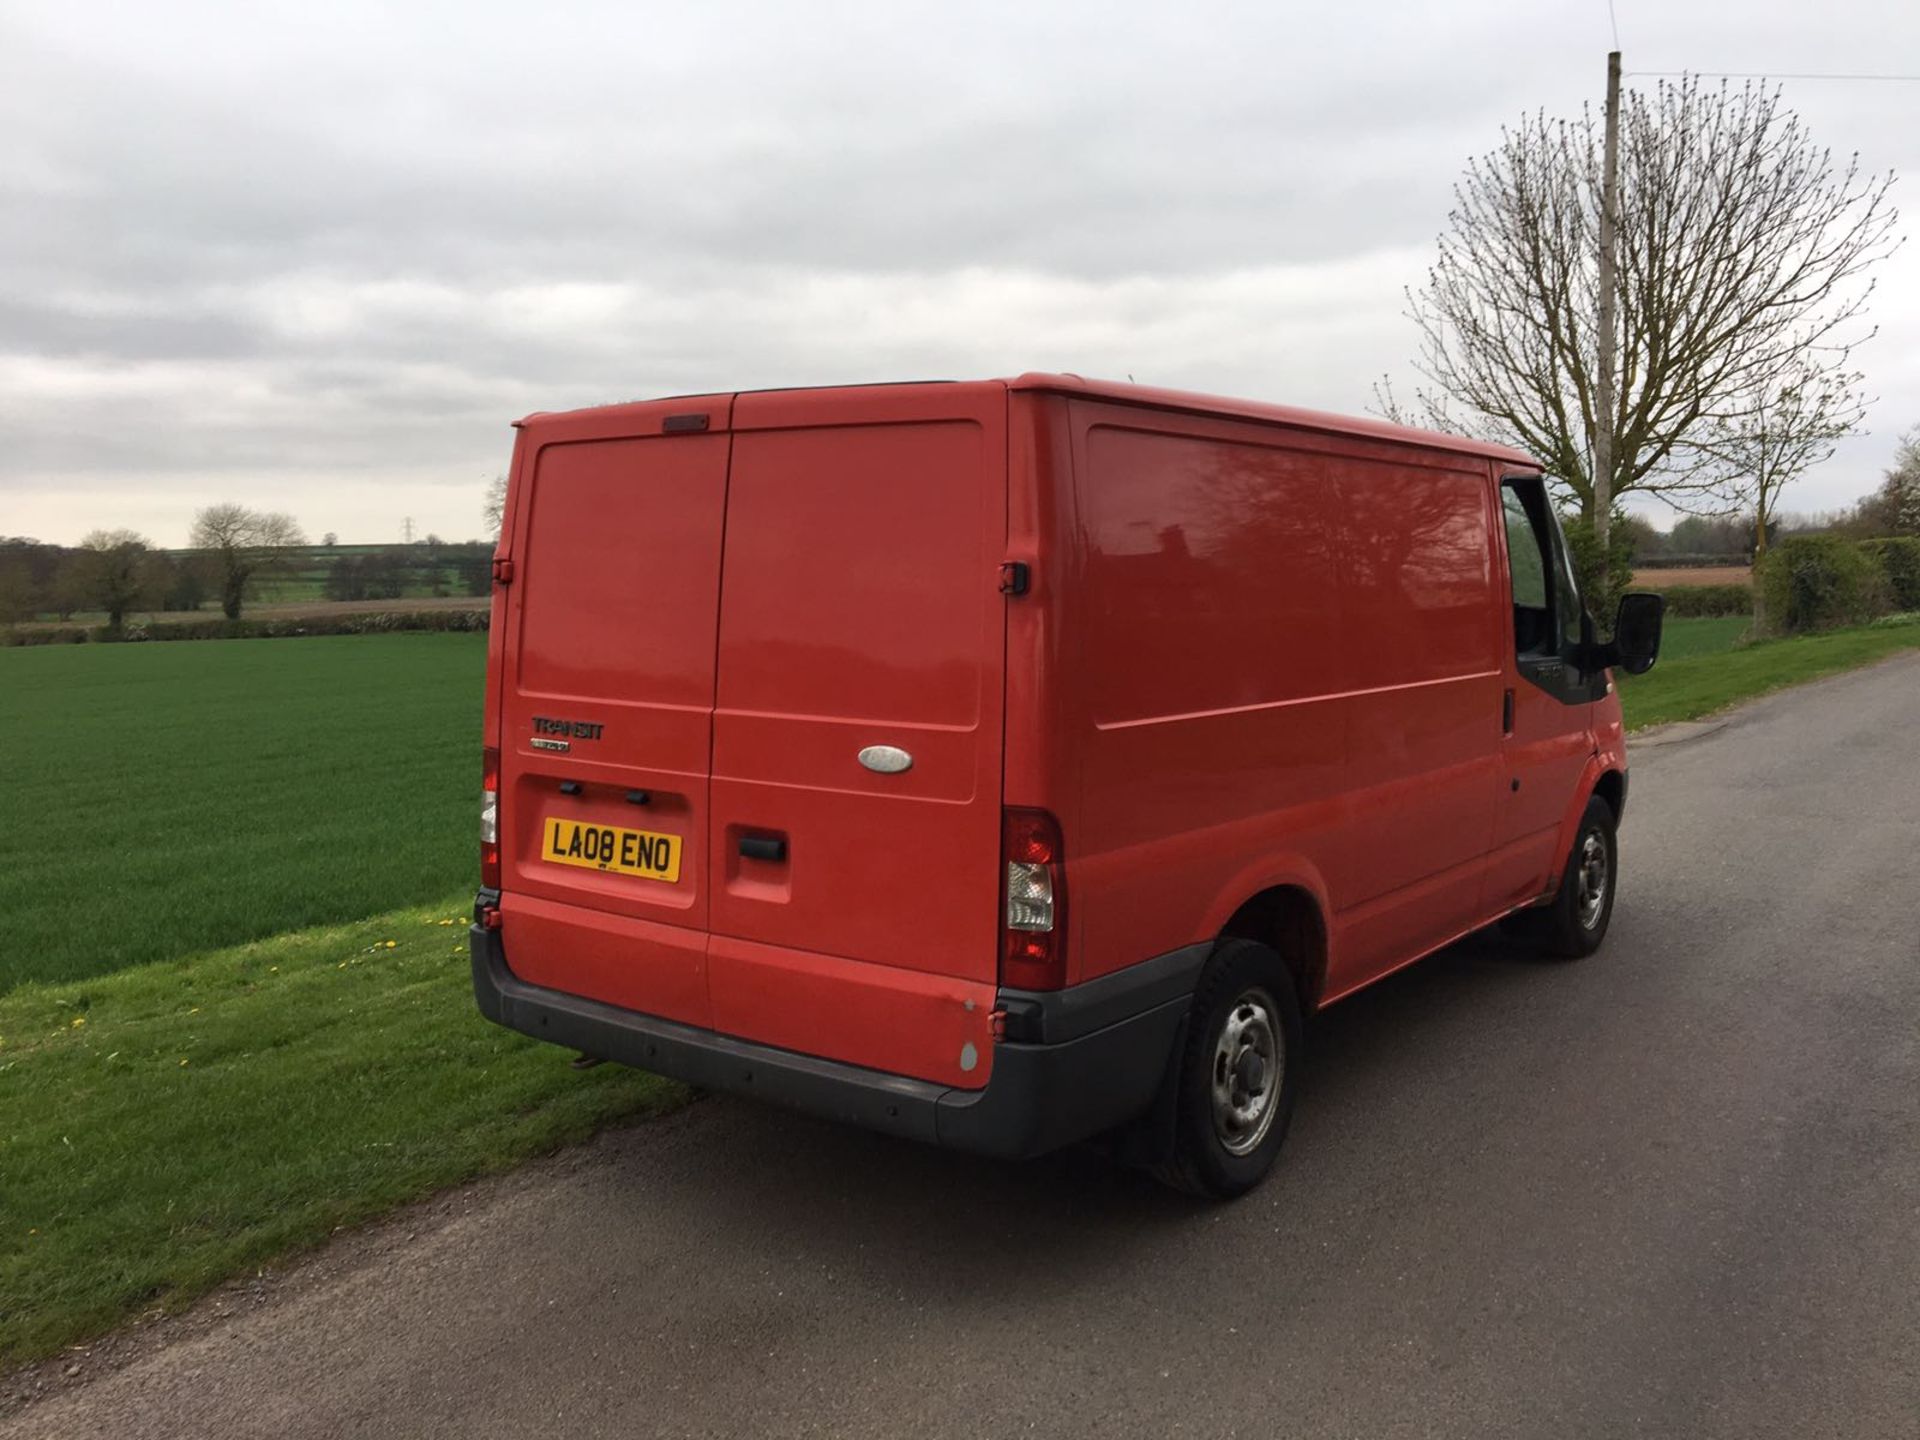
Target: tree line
[120,571]
[1890,512]
[235,551]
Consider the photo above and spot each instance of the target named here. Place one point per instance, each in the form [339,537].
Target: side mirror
[1636,632]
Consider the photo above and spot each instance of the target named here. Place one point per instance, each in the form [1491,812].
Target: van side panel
[1421,619]
[1209,667]
[1290,669]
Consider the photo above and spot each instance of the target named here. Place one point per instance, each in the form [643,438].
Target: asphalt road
[1673,1190]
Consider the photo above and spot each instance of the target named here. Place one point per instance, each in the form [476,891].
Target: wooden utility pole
[1604,404]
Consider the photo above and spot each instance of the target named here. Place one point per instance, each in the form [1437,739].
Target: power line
[1766,75]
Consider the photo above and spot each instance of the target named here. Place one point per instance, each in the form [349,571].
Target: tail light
[490,818]
[1033,922]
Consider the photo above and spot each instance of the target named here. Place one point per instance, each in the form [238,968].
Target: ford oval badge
[886,759]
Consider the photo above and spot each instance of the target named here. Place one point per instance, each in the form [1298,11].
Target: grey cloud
[298,241]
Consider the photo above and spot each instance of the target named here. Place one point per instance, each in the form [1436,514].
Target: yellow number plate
[608,847]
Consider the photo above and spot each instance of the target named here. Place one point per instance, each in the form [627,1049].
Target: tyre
[1238,1073]
[1572,925]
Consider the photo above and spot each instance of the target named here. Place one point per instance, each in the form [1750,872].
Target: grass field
[162,800]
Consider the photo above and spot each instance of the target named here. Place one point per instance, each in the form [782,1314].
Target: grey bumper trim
[1038,1097]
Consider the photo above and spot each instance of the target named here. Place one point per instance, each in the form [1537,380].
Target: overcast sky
[316,257]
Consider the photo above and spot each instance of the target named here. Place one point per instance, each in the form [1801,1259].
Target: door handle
[763,847]
[1506,712]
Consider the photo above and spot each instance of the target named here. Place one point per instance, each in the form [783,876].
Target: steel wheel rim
[1248,1069]
[1592,876]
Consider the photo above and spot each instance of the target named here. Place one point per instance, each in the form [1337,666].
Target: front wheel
[1238,1072]
[1572,925]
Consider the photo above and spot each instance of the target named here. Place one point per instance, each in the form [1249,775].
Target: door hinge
[1015,578]
[502,570]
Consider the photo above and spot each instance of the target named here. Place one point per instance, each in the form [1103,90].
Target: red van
[1010,763]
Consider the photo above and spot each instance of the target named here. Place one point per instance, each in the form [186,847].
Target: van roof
[1126,393]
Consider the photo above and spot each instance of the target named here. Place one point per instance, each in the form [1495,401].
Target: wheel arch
[1611,786]
[1283,908]
[1287,918]
[1603,778]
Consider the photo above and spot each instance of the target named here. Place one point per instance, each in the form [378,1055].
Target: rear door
[854,909]
[607,702]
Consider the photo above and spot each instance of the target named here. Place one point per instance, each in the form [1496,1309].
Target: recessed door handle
[763,847]
[1506,713]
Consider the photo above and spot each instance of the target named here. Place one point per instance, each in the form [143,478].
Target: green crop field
[165,799]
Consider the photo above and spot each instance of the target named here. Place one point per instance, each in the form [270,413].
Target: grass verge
[172,1125]
[1688,688]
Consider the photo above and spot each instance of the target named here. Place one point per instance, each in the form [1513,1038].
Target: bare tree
[242,542]
[1777,435]
[112,572]
[1743,251]
[495,506]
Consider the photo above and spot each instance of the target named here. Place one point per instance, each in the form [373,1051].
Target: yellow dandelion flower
[78,1021]
[392,943]
[185,1061]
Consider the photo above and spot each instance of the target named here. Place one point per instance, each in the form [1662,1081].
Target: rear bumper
[1039,1096]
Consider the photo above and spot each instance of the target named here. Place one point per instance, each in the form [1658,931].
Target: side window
[1530,561]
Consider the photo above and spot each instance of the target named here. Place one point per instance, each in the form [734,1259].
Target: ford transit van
[1012,763]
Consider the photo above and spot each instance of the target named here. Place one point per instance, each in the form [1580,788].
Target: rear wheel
[1572,925]
[1238,1073]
